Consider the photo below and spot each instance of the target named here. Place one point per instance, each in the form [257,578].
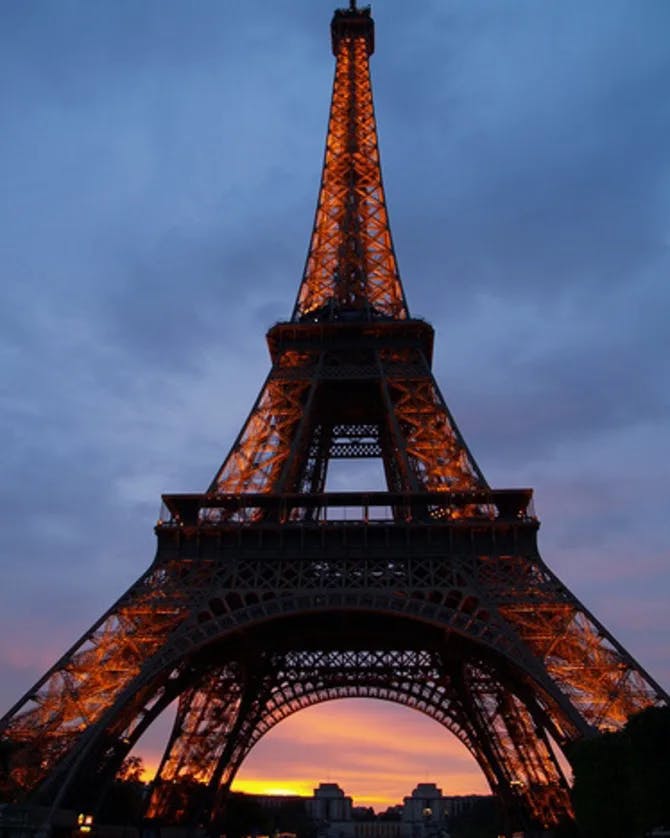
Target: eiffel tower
[268,594]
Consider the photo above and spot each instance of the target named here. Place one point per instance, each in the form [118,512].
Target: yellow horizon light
[275,787]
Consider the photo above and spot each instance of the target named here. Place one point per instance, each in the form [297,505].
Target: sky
[160,163]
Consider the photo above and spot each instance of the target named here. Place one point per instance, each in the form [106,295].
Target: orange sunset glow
[375,750]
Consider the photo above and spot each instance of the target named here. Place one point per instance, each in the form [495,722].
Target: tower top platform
[353,22]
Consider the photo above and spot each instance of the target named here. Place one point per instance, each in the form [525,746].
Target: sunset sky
[160,163]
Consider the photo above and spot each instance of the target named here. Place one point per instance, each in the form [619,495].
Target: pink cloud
[376,751]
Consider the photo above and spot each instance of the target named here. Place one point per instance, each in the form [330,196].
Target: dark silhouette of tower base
[268,594]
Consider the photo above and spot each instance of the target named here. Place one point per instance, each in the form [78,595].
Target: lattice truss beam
[517,731]
[511,746]
[602,680]
[435,450]
[287,441]
[49,723]
[351,263]
[256,460]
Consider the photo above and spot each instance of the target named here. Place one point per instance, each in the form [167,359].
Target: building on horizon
[425,813]
[329,805]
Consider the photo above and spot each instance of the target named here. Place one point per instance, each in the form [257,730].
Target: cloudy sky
[159,164]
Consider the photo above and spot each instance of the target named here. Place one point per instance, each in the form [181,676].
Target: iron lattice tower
[263,599]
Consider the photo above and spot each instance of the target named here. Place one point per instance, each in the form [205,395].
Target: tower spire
[351,266]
